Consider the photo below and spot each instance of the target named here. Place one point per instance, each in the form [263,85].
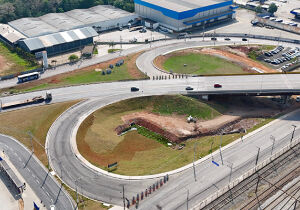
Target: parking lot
[281,58]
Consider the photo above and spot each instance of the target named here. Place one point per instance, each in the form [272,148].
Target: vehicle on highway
[120,28]
[34,100]
[213,38]
[134,40]
[189,88]
[227,39]
[28,77]
[52,207]
[217,85]
[134,89]
[244,39]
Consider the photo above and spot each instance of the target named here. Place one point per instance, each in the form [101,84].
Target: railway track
[228,198]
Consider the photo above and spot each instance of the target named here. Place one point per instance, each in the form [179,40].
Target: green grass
[113,50]
[18,64]
[200,64]
[183,105]
[151,135]
[118,73]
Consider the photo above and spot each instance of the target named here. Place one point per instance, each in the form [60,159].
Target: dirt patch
[177,129]
[4,65]
[237,55]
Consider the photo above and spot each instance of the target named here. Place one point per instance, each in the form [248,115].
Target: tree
[272,8]
[73,58]
[258,9]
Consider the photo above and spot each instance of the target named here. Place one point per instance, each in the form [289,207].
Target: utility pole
[76,192]
[221,148]
[32,147]
[212,158]
[124,196]
[257,156]
[273,139]
[194,162]
[293,132]
[187,200]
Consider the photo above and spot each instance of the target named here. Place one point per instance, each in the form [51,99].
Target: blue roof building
[179,15]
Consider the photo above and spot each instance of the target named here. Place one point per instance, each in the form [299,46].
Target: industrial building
[101,18]
[61,32]
[179,15]
[60,42]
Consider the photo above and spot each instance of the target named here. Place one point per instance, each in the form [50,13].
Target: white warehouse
[101,18]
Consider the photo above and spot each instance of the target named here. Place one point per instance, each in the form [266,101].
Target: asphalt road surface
[157,51]
[182,185]
[43,184]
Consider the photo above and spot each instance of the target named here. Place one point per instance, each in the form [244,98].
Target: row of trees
[272,8]
[15,9]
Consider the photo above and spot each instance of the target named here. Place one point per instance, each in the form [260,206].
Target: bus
[136,28]
[28,77]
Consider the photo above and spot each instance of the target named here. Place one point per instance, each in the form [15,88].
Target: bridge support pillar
[204,97]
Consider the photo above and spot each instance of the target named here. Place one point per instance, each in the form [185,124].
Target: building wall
[60,48]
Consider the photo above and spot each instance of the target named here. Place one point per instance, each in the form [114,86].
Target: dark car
[217,86]
[227,39]
[213,38]
[134,89]
[189,88]
[244,39]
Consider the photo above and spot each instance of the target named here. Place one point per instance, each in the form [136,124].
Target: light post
[257,156]
[221,148]
[32,147]
[273,139]
[194,161]
[293,132]
[212,158]
[76,180]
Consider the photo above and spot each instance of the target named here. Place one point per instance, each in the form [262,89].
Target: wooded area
[15,9]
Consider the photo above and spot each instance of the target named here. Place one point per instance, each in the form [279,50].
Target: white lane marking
[37,181]
[47,193]
[20,159]
[286,81]
[28,169]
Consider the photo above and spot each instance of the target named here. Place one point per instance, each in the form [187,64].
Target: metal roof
[9,33]
[78,18]
[183,5]
[38,43]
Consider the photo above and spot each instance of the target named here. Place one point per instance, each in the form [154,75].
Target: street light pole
[32,147]
[293,132]
[257,156]
[124,196]
[221,148]
[194,162]
[273,139]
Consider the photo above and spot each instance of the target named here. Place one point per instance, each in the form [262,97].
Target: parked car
[244,39]
[217,85]
[213,38]
[227,39]
[134,89]
[143,30]
[189,88]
